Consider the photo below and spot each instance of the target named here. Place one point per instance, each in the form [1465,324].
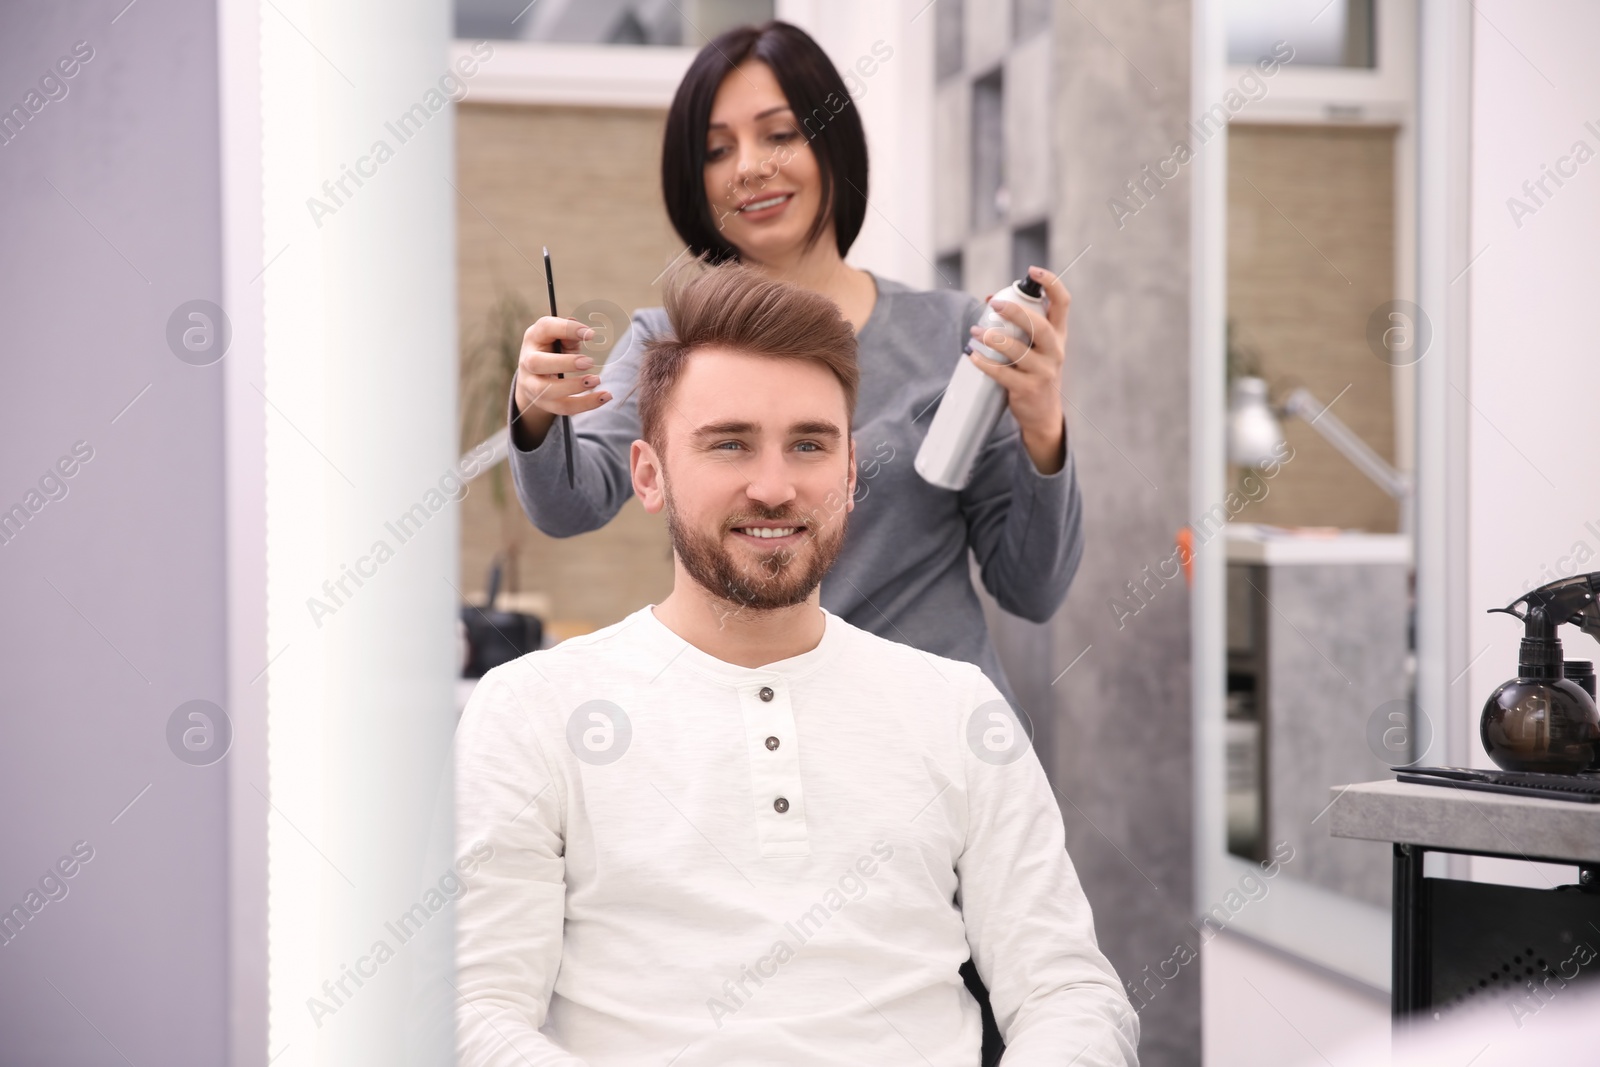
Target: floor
[1262,1009]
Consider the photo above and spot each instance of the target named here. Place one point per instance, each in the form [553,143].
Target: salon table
[1459,942]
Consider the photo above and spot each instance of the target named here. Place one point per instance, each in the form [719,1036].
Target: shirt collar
[673,652]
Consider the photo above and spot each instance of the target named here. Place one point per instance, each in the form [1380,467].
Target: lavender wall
[113,593]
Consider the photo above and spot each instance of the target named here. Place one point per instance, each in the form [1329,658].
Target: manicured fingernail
[975,331]
[585,333]
[591,380]
[997,304]
[583,363]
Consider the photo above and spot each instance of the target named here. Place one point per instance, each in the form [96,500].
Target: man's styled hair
[738,308]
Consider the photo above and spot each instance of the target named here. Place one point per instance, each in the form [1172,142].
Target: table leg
[1409,968]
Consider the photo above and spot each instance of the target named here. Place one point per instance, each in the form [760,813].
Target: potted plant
[488,365]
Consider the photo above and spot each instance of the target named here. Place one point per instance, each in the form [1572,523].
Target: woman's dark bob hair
[823,112]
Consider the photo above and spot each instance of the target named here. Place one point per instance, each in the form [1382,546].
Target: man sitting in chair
[733,829]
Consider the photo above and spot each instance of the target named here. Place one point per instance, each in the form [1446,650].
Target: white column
[239,109]
[358,296]
[1533,379]
[1443,70]
[885,51]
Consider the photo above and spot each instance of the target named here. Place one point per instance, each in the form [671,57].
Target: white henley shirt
[698,863]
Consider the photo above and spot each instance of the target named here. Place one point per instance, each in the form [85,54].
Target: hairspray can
[973,401]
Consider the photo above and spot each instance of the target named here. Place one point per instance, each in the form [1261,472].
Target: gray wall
[1092,95]
[114,593]
[1122,737]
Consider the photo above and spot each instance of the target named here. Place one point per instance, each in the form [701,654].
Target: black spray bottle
[1542,720]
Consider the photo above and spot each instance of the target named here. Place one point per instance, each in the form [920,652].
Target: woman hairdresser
[764,160]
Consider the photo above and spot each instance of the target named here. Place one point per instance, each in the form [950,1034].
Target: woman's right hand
[540,394]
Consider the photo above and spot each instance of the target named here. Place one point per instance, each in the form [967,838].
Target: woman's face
[762,180]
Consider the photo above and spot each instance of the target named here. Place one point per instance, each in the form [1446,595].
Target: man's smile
[770,532]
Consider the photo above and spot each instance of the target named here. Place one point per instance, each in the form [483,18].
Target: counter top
[1252,543]
[1467,820]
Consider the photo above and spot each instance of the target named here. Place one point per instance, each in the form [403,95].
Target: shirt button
[781,805]
[772,742]
[765,694]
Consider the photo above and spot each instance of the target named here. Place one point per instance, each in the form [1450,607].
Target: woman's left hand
[1032,379]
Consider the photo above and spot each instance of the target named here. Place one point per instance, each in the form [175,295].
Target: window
[949,271]
[1324,33]
[1029,18]
[672,23]
[950,36]
[1030,246]
[989,200]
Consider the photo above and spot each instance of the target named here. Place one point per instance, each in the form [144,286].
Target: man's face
[756,472]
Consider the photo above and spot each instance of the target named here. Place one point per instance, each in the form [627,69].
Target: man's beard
[781,578]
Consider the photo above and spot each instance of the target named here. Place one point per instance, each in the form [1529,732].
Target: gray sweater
[903,573]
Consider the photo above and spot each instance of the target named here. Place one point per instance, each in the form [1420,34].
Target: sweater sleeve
[1056,997]
[602,439]
[509,922]
[1025,528]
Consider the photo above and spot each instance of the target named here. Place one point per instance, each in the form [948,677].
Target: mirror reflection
[796,531]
